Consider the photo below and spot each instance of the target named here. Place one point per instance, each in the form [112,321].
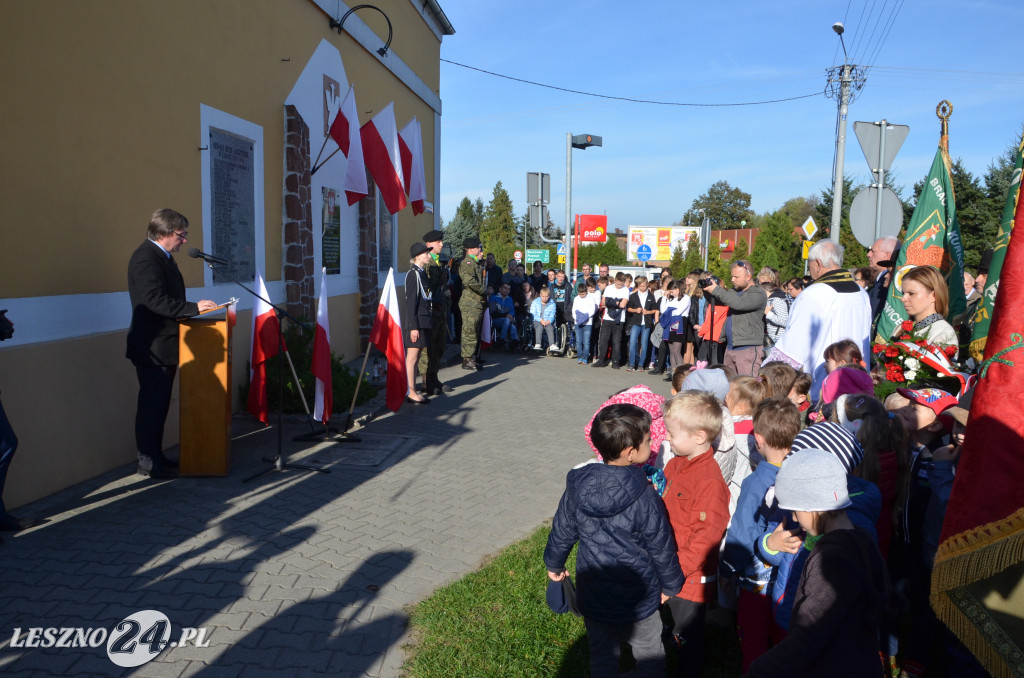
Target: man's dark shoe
[9,523]
[616,366]
[162,473]
[468,364]
[656,372]
[600,363]
[437,386]
[154,468]
[169,463]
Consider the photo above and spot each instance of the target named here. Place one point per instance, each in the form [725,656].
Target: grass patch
[496,622]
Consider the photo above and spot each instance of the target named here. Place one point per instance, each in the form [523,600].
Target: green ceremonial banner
[933,239]
[983,316]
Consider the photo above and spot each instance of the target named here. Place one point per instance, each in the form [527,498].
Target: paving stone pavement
[300,573]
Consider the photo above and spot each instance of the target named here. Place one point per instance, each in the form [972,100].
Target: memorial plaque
[232,206]
[330,234]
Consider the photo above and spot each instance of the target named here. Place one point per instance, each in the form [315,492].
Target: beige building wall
[101,126]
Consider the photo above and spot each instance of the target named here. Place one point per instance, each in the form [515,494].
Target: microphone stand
[277,461]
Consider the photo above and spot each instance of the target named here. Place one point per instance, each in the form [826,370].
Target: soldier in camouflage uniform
[472,302]
[439,277]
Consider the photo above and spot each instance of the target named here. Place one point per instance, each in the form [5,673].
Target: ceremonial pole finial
[943,111]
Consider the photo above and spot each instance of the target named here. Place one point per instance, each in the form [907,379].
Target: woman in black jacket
[417,316]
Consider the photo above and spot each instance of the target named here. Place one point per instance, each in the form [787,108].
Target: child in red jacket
[697,500]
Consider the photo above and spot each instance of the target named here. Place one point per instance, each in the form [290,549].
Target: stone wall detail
[297,263]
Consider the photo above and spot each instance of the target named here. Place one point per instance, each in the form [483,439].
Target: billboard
[661,239]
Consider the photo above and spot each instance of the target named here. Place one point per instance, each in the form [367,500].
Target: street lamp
[583,142]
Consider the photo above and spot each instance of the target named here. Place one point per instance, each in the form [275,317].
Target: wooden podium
[205,422]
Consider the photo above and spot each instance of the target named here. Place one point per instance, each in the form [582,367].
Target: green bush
[300,346]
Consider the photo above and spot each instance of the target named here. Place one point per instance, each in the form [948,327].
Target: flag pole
[344,437]
[313,171]
[322,147]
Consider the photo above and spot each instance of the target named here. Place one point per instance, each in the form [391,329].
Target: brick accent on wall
[367,264]
[297,265]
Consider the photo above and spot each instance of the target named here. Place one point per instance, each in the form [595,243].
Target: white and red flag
[265,344]
[485,329]
[410,141]
[345,131]
[324,401]
[386,335]
[383,158]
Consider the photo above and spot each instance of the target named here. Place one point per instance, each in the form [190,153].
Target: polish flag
[264,346]
[345,131]
[485,329]
[410,142]
[322,357]
[386,335]
[383,159]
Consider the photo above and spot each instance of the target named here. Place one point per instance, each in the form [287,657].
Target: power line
[631,100]
[866,36]
[887,29]
[875,34]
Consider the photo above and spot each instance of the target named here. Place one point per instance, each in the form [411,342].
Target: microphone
[196,254]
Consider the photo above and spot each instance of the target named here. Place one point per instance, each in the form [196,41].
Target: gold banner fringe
[979,553]
[968,632]
[969,557]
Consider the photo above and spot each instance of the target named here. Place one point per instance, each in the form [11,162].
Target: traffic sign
[537,255]
[643,253]
[518,255]
[561,258]
[809,228]
[863,210]
[870,134]
[561,249]
[807,248]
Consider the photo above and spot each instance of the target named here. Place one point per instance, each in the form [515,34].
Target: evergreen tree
[777,246]
[678,264]
[694,258]
[716,266]
[856,255]
[498,229]
[457,230]
[740,252]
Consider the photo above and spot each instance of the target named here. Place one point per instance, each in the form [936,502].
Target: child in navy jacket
[626,565]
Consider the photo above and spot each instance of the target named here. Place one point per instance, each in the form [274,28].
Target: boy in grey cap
[844,588]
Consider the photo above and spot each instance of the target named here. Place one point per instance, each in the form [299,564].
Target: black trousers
[155,384]
[688,630]
[610,330]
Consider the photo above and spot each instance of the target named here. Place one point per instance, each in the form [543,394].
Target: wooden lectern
[205,421]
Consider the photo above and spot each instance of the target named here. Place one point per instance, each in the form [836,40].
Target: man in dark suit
[880,257]
[157,293]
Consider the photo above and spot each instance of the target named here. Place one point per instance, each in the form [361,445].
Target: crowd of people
[794,503]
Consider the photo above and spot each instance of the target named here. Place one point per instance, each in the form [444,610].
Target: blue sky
[657,159]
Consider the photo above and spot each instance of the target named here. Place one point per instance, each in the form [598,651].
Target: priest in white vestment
[831,309]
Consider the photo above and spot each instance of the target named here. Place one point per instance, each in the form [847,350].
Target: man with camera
[8,445]
[744,326]
[157,293]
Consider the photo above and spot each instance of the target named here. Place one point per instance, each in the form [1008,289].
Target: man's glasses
[181,234]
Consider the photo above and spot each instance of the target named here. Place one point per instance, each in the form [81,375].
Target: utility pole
[850,79]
